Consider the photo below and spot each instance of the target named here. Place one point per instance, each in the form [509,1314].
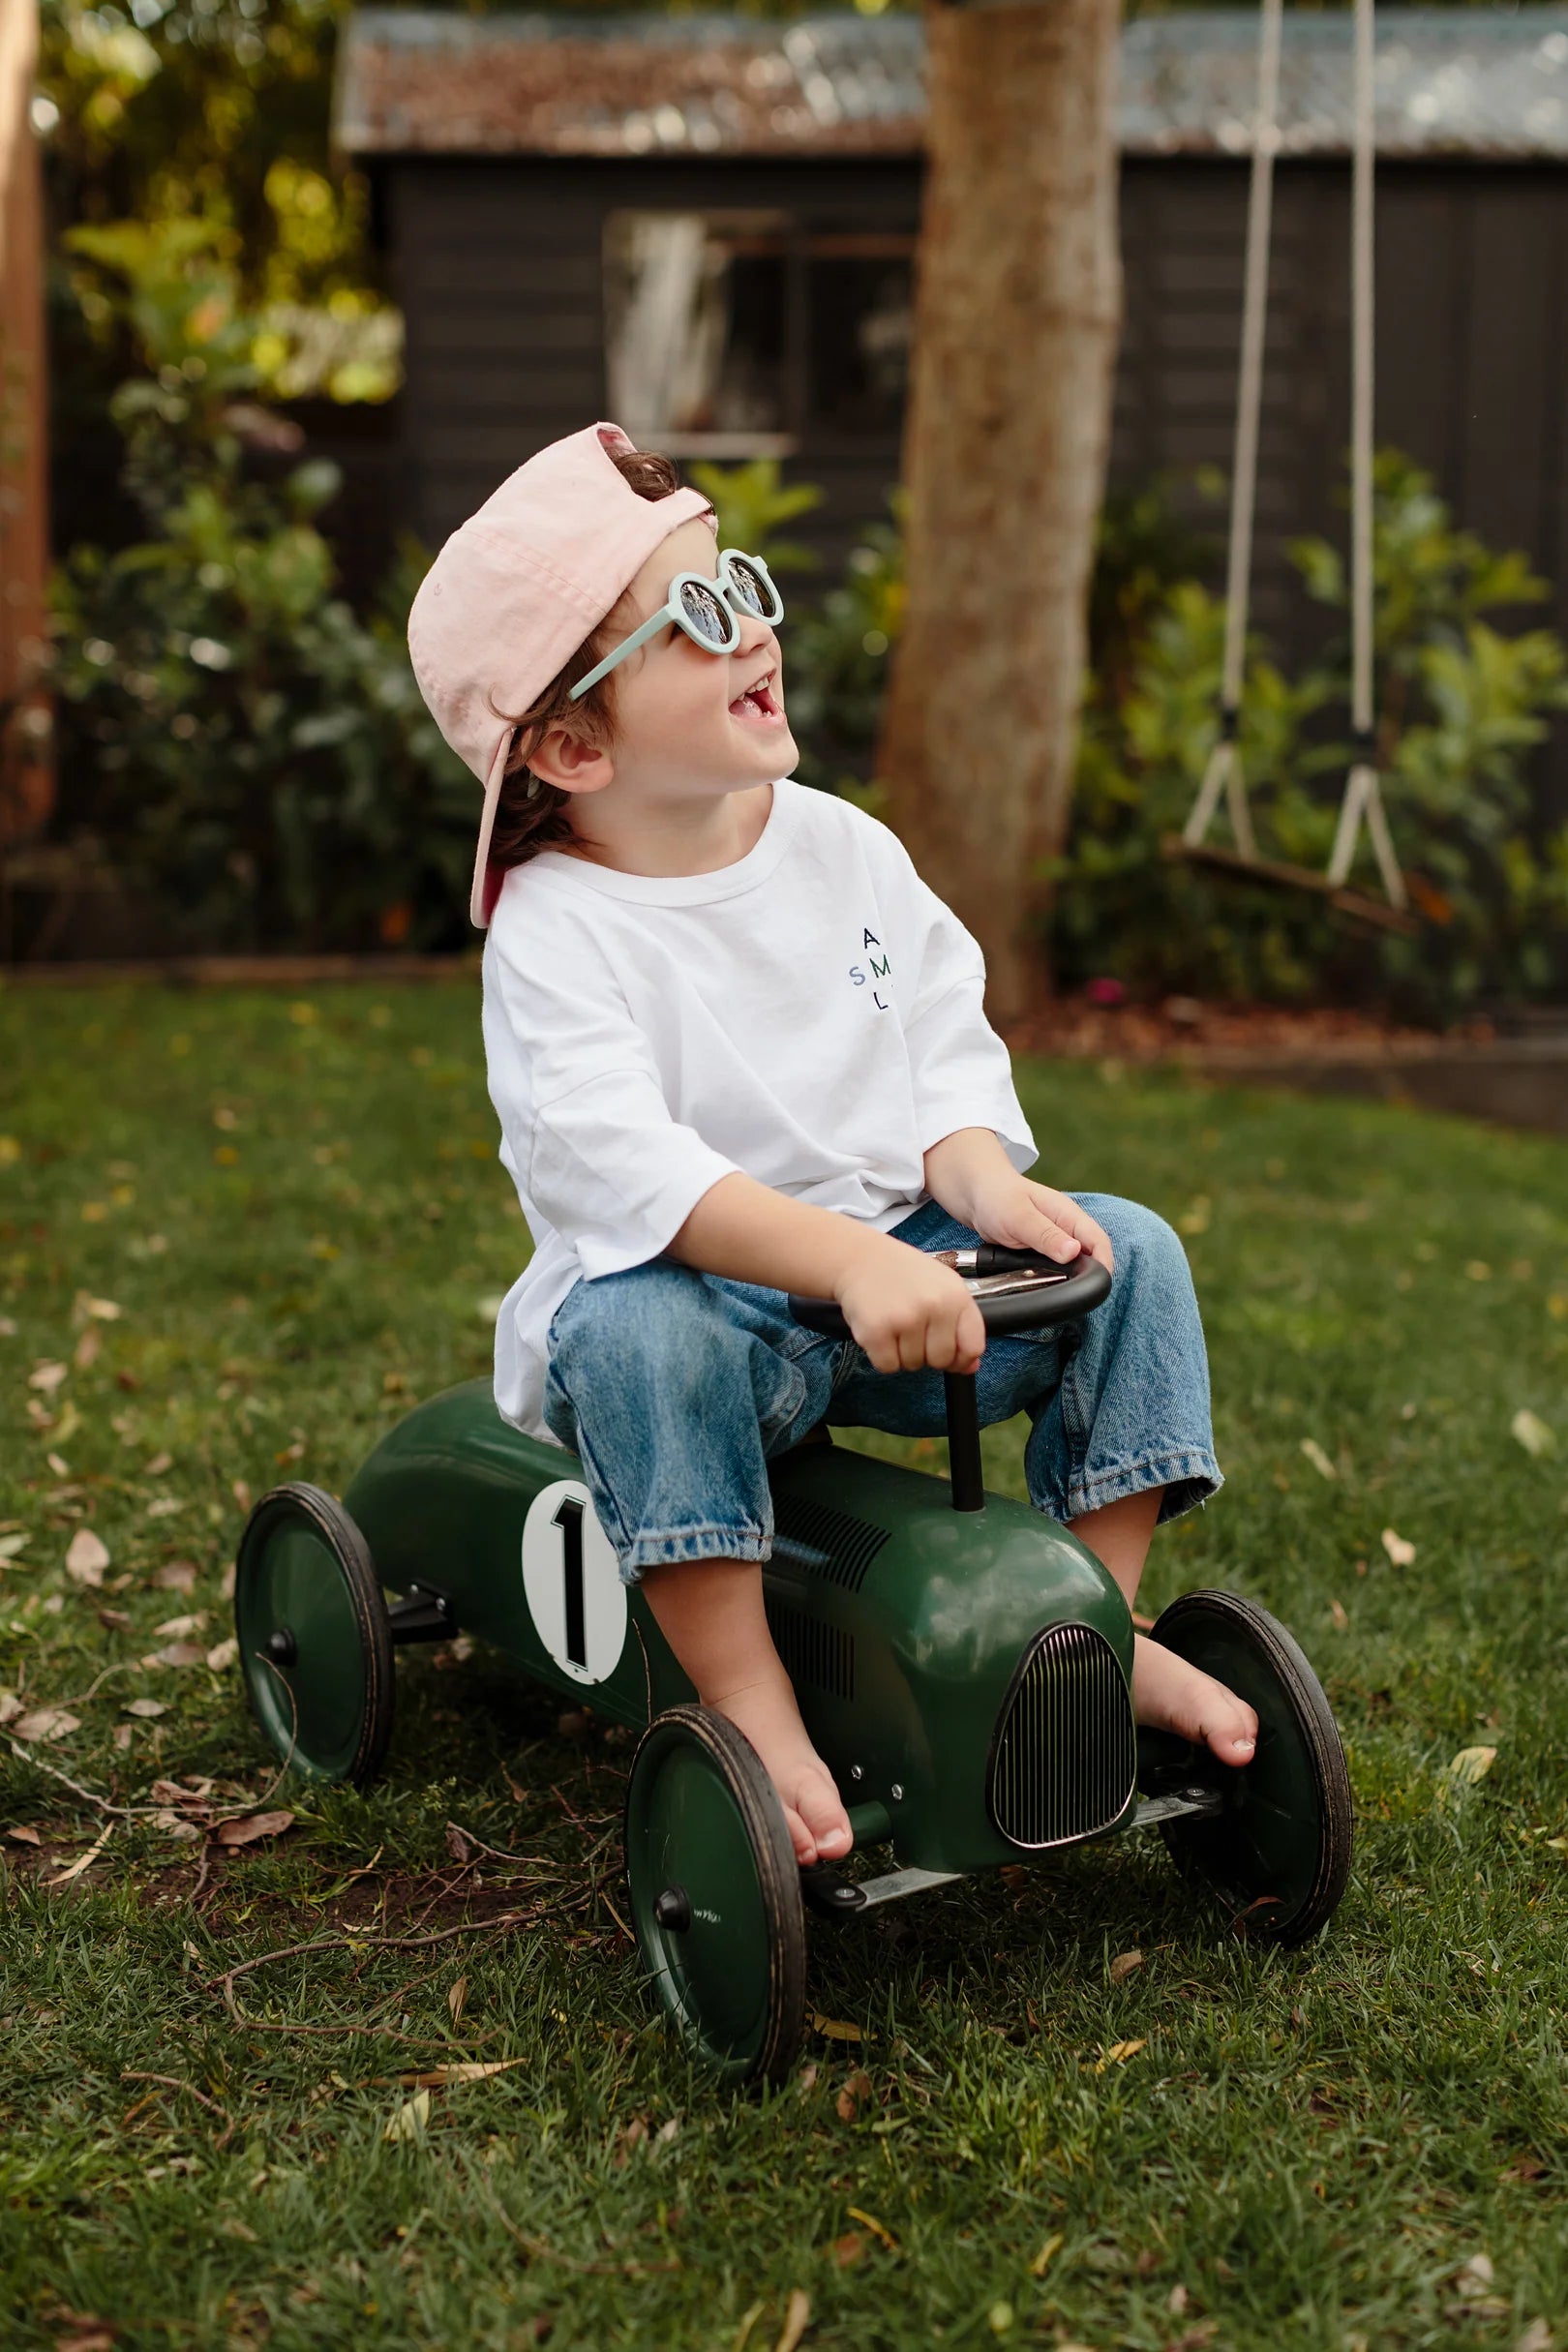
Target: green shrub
[1462,706]
[258,757]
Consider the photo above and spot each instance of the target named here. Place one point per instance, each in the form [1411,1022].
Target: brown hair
[524,825]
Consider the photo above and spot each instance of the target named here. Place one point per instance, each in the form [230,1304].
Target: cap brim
[483,894]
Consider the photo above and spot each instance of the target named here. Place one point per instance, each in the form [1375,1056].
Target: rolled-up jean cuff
[1188,1479]
[701,1543]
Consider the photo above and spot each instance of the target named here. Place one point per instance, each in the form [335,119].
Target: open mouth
[758,701]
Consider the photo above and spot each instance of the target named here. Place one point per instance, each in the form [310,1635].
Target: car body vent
[1065,1754]
[813,1539]
[811,1651]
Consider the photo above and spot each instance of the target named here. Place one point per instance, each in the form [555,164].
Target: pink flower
[1105,992]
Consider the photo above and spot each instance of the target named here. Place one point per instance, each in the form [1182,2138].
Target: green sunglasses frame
[673,614]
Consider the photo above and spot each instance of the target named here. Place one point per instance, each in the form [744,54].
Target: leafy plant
[752,503]
[260,759]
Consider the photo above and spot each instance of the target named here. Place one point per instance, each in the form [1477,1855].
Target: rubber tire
[364,1634]
[1292,1706]
[767,2049]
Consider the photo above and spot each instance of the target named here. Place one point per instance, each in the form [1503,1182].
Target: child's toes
[821,1810]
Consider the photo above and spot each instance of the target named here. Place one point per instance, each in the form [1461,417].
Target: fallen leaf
[158,1464]
[102,1310]
[241,1493]
[92,2337]
[1398,1550]
[223,1654]
[87,1557]
[84,1861]
[797,2320]
[851,2247]
[174,1824]
[1047,2253]
[457,1994]
[1468,1766]
[1534,1435]
[117,1620]
[1338,1613]
[178,1629]
[1318,1458]
[59,1465]
[179,1576]
[833,2029]
[253,1828]
[47,1377]
[471,2070]
[10,1707]
[149,1709]
[45,1722]
[11,1545]
[878,2229]
[407,2122]
[85,1353]
[1118,2053]
[21,1835]
[165,1507]
[459,1845]
[179,1654]
[1124,1964]
[1537,2338]
[1176,2301]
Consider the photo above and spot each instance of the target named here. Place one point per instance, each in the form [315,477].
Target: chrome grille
[1065,1754]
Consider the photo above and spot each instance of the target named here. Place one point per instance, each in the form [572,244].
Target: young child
[737,1047]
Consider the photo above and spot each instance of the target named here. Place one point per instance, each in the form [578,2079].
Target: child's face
[689,725]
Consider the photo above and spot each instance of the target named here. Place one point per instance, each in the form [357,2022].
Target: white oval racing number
[571,1580]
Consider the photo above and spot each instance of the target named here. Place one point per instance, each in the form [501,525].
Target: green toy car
[962,1667]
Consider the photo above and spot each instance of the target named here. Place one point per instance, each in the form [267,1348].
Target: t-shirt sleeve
[582,1113]
[962,1071]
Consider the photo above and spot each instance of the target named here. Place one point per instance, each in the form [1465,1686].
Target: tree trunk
[1017,314]
[27,777]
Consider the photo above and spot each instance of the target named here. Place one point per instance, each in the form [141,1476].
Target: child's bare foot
[1170,1696]
[765,1710]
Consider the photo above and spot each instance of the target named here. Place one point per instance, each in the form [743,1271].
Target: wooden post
[1005,443]
[26,771]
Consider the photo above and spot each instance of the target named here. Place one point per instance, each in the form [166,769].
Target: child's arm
[904,1308]
[975,1181]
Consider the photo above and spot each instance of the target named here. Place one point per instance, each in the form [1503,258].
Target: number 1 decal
[570,1520]
[571,1582]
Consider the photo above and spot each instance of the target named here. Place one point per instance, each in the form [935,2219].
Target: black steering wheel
[1014,1291]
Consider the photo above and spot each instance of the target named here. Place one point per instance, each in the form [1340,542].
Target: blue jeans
[674,1387]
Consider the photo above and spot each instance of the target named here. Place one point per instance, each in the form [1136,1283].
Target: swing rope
[1223,775]
[1363,792]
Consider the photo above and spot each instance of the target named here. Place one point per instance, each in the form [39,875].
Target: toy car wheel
[315,1640]
[715,1895]
[1278,1855]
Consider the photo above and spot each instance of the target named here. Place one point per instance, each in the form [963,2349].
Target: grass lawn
[239,1236]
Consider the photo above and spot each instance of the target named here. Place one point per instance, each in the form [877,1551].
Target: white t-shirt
[810,1016]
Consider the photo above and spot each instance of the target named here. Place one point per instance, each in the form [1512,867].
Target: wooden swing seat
[1354,905]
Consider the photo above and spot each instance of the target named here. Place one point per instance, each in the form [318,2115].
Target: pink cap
[517,589]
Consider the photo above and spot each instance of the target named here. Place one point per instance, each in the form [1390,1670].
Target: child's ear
[570,762]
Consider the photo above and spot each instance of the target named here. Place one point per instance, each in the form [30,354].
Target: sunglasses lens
[752,588]
[706,613]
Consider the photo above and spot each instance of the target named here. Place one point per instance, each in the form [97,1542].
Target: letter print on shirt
[879,964]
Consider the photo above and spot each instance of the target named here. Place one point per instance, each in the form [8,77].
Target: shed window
[732,335]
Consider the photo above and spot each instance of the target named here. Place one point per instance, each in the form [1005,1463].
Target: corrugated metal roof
[1450,82]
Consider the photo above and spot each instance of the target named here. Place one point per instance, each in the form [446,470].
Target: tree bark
[1017,308]
[26,774]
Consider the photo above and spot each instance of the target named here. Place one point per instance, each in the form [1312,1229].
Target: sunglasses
[708,610]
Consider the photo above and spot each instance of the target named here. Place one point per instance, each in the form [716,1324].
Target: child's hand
[1024,1216]
[907,1310]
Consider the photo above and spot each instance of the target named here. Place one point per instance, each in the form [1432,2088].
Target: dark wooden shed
[534,175]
